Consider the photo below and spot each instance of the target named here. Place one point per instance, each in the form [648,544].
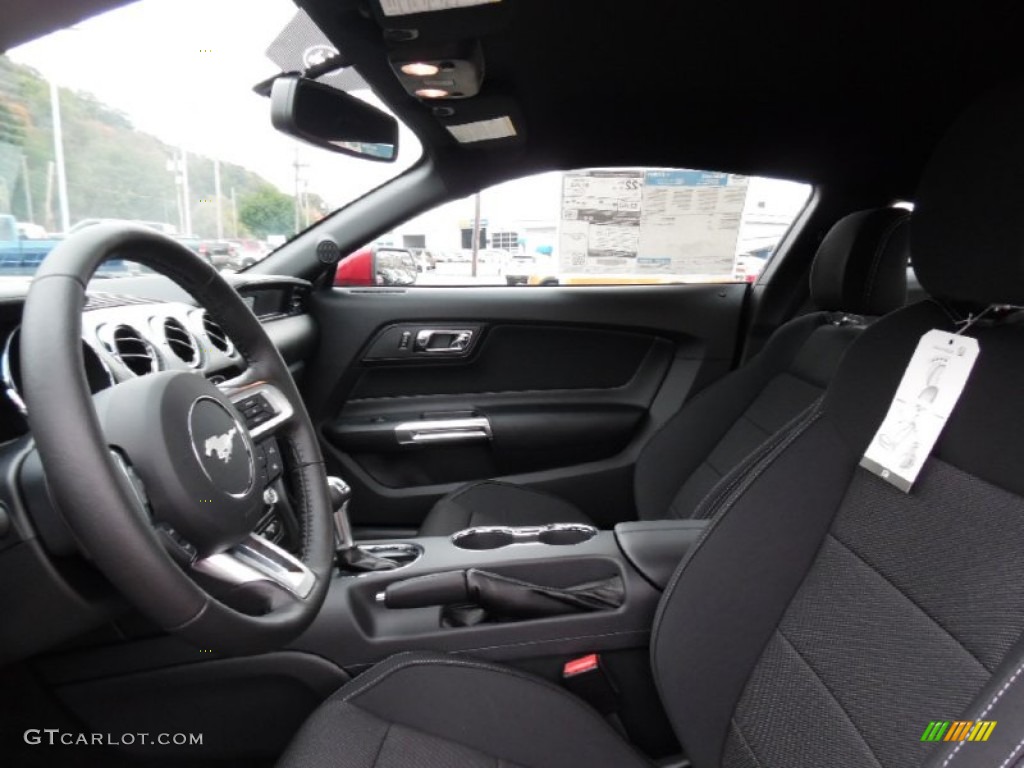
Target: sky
[183,70]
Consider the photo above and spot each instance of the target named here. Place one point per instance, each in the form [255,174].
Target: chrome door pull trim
[443,431]
[462,338]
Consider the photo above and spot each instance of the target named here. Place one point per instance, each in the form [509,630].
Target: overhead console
[436,53]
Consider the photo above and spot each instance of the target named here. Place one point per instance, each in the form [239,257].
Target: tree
[113,170]
[316,208]
[267,211]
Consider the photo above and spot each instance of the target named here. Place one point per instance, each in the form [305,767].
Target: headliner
[25,20]
[853,93]
[849,92]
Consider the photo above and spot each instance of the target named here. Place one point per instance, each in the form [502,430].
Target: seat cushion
[434,711]
[496,503]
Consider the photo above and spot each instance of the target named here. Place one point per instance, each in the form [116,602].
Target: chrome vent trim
[104,300]
[132,350]
[181,343]
[297,301]
[216,334]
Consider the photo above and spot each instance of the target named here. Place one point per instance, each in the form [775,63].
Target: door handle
[429,431]
[443,341]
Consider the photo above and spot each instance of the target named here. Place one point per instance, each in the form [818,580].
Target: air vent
[297,301]
[181,342]
[218,338]
[133,350]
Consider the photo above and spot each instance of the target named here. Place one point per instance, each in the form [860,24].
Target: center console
[535,597]
[503,593]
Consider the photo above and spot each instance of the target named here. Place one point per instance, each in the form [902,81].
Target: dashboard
[125,335]
[131,327]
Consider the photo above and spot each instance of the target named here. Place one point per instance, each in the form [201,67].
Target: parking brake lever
[348,554]
[502,596]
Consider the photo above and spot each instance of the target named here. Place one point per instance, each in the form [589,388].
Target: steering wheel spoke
[254,560]
[263,407]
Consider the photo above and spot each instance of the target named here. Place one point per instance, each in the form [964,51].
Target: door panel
[509,358]
[556,389]
[528,399]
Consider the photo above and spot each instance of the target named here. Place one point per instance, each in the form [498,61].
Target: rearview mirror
[331,119]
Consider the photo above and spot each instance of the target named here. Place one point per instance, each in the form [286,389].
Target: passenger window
[623,226]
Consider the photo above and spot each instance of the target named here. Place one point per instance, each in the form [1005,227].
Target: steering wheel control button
[176,545]
[220,447]
[256,410]
[271,530]
[271,459]
[263,408]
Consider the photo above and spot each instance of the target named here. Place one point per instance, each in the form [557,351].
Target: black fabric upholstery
[861,264]
[726,422]
[897,580]
[969,246]
[726,599]
[433,711]
[825,618]
[800,619]
[1001,700]
[859,269]
[497,503]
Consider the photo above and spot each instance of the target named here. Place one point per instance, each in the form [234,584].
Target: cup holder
[561,536]
[496,537]
[402,553]
[484,538]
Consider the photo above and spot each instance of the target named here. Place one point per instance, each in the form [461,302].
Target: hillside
[113,170]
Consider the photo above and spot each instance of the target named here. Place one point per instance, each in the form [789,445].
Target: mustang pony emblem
[221,444]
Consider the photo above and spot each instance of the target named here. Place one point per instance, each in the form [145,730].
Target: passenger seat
[858,274]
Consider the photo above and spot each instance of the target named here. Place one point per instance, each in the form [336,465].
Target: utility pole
[305,203]
[476,231]
[298,203]
[216,195]
[172,168]
[28,190]
[49,221]
[186,197]
[234,213]
[58,154]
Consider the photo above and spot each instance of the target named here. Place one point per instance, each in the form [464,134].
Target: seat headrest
[861,265]
[967,238]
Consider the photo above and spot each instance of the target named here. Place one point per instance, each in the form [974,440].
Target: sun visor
[301,45]
[485,122]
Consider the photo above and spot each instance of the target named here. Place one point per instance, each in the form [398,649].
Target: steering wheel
[158,477]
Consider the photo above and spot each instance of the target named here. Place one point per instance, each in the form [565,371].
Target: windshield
[148,114]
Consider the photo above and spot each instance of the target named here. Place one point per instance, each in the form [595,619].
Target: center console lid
[656,547]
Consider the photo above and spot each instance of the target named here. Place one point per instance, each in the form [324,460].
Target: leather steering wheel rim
[91,490]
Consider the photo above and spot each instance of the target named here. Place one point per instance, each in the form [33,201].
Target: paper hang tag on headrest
[931,386]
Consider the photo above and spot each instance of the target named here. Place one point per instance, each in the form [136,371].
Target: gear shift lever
[348,554]
[340,494]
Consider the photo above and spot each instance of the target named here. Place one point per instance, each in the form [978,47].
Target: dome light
[420,69]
